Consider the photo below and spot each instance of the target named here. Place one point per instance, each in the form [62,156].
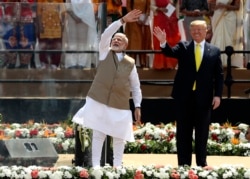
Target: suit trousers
[193,122]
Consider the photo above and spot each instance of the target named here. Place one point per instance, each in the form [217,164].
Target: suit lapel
[205,53]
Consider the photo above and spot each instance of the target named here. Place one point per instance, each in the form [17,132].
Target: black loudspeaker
[26,152]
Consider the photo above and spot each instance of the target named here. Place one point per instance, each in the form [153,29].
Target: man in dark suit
[196,91]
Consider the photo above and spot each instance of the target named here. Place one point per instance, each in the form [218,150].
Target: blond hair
[198,22]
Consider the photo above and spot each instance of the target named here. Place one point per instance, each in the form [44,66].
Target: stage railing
[229,79]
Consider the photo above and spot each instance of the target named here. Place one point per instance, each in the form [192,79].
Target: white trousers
[97,144]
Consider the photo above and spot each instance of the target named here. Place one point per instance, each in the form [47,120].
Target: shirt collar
[202,43]
[120,56]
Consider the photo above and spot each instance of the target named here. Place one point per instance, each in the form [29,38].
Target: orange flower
[134,128]
[235,141]
[48,133]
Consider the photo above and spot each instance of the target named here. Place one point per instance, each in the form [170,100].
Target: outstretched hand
[160,34]
[132,16]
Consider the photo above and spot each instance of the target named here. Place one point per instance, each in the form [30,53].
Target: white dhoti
[104,120]
[110,121]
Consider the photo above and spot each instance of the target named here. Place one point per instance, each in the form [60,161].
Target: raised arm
[160,34]
[104,44]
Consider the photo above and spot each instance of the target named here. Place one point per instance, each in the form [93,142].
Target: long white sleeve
[106,36]
[135,87]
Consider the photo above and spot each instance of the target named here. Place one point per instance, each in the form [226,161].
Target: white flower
[65,145]
[216,131]
[215,125]
[204,174]
[97,172]
[227,174]
[27,173]
[109,175]
[67,174]
[15,125]
[56,175]
[36,125]
[25,132]
[173,144]
[214,174]
[163,174]
[247,173]
[149,173]
[8,172]
[243,126]
[157,133]
[229,146]
[242,137]
[59,131]
[121,170]
[9,132]
[40,133]
[44,173]
[54,140]
[60,134]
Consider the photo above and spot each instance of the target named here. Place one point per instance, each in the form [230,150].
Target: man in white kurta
[105,110]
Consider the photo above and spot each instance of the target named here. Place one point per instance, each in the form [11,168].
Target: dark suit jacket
[209,78]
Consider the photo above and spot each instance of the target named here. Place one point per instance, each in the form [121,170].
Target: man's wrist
[122,20]
[163,44]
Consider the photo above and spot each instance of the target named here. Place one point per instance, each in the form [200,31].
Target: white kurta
[111,121]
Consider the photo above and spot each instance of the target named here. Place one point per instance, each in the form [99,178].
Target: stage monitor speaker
[26,152]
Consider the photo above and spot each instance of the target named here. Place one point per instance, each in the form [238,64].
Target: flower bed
[108,172]
[223,140]
[160,139]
